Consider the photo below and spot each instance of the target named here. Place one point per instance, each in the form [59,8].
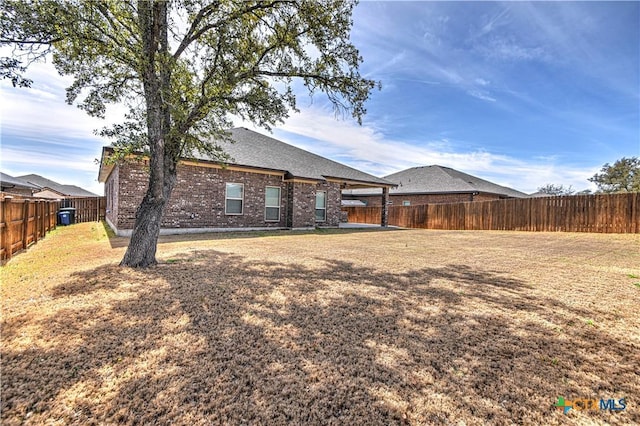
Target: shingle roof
[439,179]
[539,195]
[67,190]
[12,182]
[254,149]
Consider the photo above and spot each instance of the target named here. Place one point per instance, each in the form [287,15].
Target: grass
[329,327]
[634,276]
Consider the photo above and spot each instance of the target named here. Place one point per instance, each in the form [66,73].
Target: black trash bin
[72,214]
[64,218]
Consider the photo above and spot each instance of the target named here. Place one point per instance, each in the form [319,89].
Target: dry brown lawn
[361,327]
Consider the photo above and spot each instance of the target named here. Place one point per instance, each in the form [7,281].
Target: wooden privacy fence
[87,209]
[615,213]
[24,221]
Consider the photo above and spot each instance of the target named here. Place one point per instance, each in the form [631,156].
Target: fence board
[87,209]
[24,221]
[603,213]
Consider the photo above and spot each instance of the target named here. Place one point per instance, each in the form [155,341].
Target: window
[406,203]
[272,204]
[234,198]
[321,206]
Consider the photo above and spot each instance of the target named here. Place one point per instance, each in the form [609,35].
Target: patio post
[384,216]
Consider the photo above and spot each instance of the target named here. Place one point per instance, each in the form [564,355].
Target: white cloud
[368,149]
[42,110]
[417,44]
[41,134]
[507,49]
[62,166]
[481,94]
[35,159]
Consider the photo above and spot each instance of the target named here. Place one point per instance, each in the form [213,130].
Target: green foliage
[622,176]
[30,28]
[584,192]
[552,189]
[185,68]
[220,59]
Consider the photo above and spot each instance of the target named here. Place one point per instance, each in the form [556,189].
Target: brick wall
[23,192]
[303,204]
[111,188]
[303,207]
[198,199]
[419,199]
[132,179]
[334,200]
[487,197]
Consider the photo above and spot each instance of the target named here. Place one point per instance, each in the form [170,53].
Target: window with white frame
[272,204]
[321,206]
[234,198]
[406,203]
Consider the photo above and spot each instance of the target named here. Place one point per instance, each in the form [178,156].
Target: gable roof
[7,181]
[540,194]
[64,190]
[440,179]
[254,150]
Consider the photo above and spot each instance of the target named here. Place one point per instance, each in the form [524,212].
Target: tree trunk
[163,149]
[144,239]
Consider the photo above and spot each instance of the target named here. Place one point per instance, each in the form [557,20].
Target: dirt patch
[397,327]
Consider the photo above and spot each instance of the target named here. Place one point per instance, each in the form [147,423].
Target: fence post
[635,214]
[36,221]
[384,214]
[44,219]
[6,232]
[25,223]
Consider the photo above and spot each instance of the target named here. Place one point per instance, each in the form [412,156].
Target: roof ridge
[462,177]
[363,176]
[63,188]
[436,178]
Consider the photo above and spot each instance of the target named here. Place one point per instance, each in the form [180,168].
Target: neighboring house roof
[7,181]
[437,180]
[255,150]
[539,194]
[64,190]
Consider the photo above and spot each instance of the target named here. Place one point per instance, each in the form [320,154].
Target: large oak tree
[185,67]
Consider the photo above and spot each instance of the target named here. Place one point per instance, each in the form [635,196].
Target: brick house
[266,184]
[47,188]
[433,185]
[16,186]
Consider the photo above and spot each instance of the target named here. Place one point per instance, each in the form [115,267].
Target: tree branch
[193,35]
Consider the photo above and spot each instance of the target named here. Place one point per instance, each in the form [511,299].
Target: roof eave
[357,183]
[105,169]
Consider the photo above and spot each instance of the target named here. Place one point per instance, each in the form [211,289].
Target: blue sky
[523,94]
